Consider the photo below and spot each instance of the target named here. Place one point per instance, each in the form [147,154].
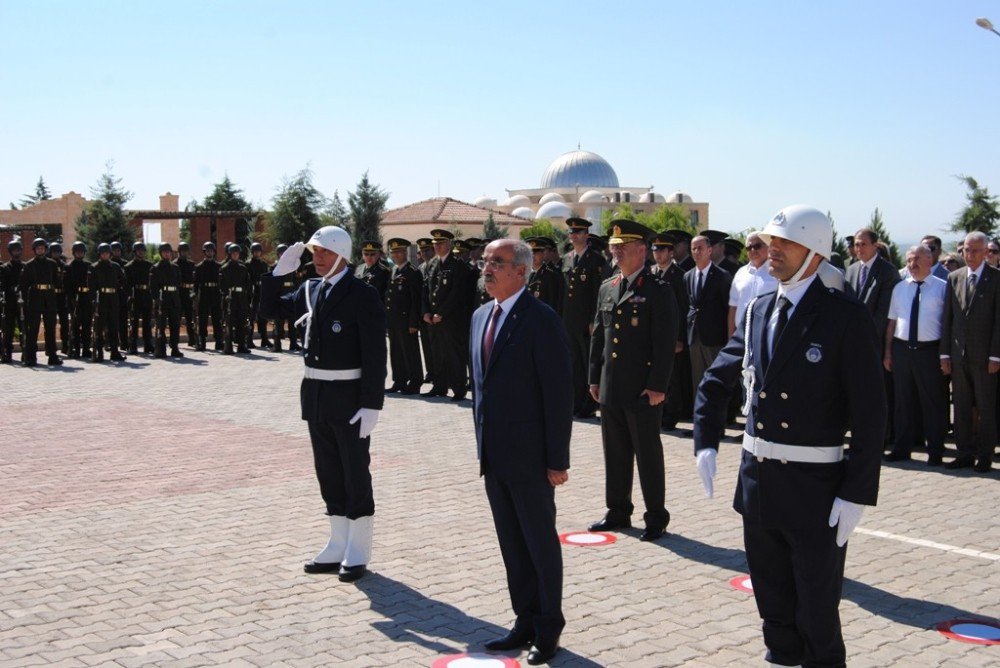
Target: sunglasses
[754,247]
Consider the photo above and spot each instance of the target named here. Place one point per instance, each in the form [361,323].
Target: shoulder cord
[749,376]
[307,316]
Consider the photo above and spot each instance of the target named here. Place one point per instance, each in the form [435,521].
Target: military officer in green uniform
[447,309]
[583,269]
[371,270]
[235,284]
[81,302]
[165,289]
[62,305]
[402,309]
[117,257]
[37,284]
[629,376]
[141,304]
[257,268]
[12,311]
[544,282]
[206,290]
[107,282]
[186,267]
[425,253]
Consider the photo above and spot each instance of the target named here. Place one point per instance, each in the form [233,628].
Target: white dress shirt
[932,297]
[750,282]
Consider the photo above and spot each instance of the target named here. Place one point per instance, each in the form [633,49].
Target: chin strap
[308,315]
[797,279]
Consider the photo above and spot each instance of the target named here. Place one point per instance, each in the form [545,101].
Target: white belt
[808,454]
[332,374]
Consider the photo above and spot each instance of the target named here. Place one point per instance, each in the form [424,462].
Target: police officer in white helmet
[343,387]
[808,356]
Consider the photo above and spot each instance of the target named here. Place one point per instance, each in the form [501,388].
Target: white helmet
[803,225]
[332,238]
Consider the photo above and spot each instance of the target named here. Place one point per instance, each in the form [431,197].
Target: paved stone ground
[159,513]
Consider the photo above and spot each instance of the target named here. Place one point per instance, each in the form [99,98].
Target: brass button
[762,395]
[649,364]
[619,311]
[784,425]
[784,395]
[615,339]
[614,355]
[617,326]
[760,425]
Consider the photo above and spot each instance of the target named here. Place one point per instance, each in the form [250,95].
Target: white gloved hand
[845,516]
[369,418]
[706,469]
[289,260]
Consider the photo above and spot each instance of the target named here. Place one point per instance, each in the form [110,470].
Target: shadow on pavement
[412,617]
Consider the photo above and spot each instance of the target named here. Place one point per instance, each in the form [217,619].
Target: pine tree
[839,245]
[337,212]
[491,230]
[668,217]
[40,195]
[981,213]
[877,225]
[367,203]
[103,219]
[225,196]
[296,210]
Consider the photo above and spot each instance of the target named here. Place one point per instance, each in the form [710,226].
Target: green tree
[839,245]
[40,195]
[544,228]
[367,204]
[623,212]
[336,213]
[668,217]
[877,225]
[981,211]
[225,196]
[296,213]
[103,220]
[491,230]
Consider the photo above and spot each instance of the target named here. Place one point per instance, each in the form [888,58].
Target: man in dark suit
[342,389]
[811,370]
[523,412]
[708,313]
[871,279]
[631,357]
[970,352]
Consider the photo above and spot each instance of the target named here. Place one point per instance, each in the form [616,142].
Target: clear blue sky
[747,105]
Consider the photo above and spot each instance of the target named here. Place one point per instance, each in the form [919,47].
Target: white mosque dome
[579,168]
[592,197]
[486,202]
[554,210]
[551,197]
[646,198]
[679,198]
[523,211]
[517,200]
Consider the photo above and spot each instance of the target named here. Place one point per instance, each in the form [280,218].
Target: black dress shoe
[960,463]
[586,415]
[610,524]
[410,391]
[435,392]
[118,357]
[317,567]
[983,465]
[176,353]
[515,639]
[934,460]
[458,397]
[895,456]
[55,361]
[652,533]
[351,573]
[539,655]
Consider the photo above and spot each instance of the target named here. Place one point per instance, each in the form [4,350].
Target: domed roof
[551,197]
[646,198]
[593,197]
[523,212]
[517,200]
[579,168]
[679,198]
[486,202]
[554,210]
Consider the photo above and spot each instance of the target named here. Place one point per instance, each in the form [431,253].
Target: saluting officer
[808,356]
[289,283]
[165,288]
[206,290]
[186,267]
[447,309]
[342,392]
[107,282]
[544,282]
[12,311]
[62,306]
[141,312]
[629,375]
[582,270]
[37,286]
[402,310]
[81,301]
[257,268]
[235,283]
[371,270]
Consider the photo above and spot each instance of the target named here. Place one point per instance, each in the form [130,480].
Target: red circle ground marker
[975,631]
[742,583]
[587,538]
[475,661]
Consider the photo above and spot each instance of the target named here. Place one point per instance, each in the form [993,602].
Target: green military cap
[679,235]
[623,231]
[596,242]
[578,223]
[475,242]
[398,244]
[460,246]
[424,242]
[442,235]
[370,246]
[662,241]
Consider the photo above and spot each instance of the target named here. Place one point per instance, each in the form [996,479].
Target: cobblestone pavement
[159,513]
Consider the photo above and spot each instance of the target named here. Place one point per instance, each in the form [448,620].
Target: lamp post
[985,24]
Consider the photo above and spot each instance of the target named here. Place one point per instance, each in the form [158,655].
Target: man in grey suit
[871,279]
[523,411]
[970,352]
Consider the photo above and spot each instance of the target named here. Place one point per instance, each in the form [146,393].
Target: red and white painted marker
[975,631]
[475,661]
[587,538]
[742,583]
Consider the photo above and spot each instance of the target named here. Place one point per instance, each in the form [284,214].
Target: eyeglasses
[994,251]
[492,264]
[756,246]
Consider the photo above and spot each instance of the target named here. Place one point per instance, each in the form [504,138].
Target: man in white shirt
[751,280]
[912,340]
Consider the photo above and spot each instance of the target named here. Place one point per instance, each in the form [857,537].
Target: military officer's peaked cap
[424,242]
[460,246]
[624,231]
[541,243]
[370,246]
[442,235]
[734,246]
[166,247]
[714,236]
[475,242]
[661,241]
[578,223]
[597,242]
[679,235]
[398,244]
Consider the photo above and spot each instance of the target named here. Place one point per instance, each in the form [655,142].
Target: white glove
[289,260]
[845,516]
[369,418]
[706,469]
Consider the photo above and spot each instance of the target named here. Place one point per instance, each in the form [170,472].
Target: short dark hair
[933,239]
[867,232]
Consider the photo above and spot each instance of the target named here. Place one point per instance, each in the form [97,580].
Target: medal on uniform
[336,327]
[635,321]
[583,277]
[814,354]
